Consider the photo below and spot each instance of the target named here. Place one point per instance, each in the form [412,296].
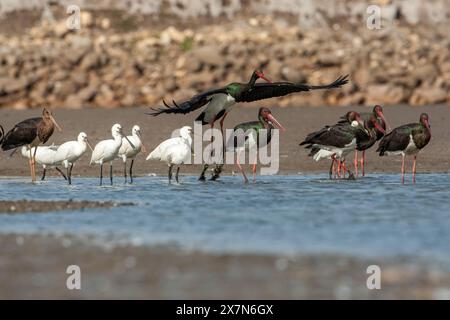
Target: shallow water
[371,217]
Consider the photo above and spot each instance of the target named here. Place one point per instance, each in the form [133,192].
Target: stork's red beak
[275,122]
[262,76]
[379,128]
[381,115]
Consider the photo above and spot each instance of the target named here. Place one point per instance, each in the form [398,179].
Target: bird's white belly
[326,152]
[220,102]
[411,149]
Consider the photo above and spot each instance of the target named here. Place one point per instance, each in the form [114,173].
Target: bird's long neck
[187,139]
[117,139]
[234,89]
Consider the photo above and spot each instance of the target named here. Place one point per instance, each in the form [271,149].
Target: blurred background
[119,53]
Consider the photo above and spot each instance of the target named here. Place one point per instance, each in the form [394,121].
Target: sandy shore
[35,267]
[293,159]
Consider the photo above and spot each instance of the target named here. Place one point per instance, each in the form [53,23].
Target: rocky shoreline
[113,61]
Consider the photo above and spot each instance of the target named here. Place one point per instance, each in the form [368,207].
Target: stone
[384,94]
[428,95]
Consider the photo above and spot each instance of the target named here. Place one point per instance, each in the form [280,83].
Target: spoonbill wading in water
[218,102]
[248,136]
[31,133]
[408,139]
[107,150]
[71,151]
[175,151]
[126,151]
[335,142]
[45,156]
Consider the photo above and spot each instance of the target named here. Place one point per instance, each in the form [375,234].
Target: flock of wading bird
[354,132]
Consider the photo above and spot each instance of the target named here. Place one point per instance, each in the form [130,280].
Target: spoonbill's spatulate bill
[175,151]
[31,132]
[335,142]
[45,156]
[248,136]
[126,151]
[408,139]
[108,150]
[380,130]
[69,152]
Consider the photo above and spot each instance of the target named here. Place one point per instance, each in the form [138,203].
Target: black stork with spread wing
[219,101]
[31,132]
[405,140]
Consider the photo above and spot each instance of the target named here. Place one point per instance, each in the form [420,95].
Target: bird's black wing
[396,140]
[23,133]
[277,89]
[187,106]
[335,136]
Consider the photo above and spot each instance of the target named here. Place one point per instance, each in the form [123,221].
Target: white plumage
[45,156]
[71,151]
[107,150]
[174,151]
[126,151]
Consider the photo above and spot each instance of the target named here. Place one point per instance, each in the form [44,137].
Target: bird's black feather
[187,106]
[277,89]
[22,134]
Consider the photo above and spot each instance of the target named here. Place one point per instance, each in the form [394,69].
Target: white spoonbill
[174,151]
[71,151]
[45,156]
[107,150]
[126,151]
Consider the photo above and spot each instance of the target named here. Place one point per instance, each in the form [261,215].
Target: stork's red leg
[363,161]
[414,169]
[240,168]
[254,172]
[355,162]
[30,162]
[403,168]
[339,169]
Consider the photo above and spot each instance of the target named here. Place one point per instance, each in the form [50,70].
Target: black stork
[31,132]
[219,101]
[377,112]
[405,140]
[335,142]
[248,136]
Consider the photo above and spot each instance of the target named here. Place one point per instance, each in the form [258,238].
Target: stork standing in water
[45,156]
[218,102]
[71,151]
[335,142]
[408,139]
[380,131]
[248,136]
[107,150]
[128,152]
[31,133]
[175,151]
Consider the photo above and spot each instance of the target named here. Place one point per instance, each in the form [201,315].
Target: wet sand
[293,159]
[22,206]
[35,267]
